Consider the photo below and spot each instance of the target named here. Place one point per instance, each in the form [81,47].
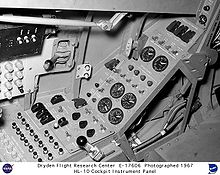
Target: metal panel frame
[154,6]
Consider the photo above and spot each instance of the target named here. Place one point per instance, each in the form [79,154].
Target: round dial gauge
[160,63]
[128,101]
[147,54]
[117,90]
[104,105]
[115,116]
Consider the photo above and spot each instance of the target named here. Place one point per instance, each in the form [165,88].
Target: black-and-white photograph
[110,81]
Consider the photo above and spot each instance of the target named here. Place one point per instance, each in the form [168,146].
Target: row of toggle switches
[26,39]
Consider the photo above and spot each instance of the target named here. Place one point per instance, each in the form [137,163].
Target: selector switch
[130,67]
[62,122]
[136,72]
[83,124]
[90,132]
[142,77]
[149,83]
[76,115]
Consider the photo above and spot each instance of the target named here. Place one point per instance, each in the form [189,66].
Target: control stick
[93,151]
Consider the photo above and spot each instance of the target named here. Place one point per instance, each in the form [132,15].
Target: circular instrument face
[160,63]
[104,105]
[147,54]
[115,116]
[128,101]
[117,90]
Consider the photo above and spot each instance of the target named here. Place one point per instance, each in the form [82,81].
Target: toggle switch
[18,83]
[33,38]
[19,75]
[9,67]
[8,85]
[9,76]
[8,95]
[26,39]
[19,40]
[19,65]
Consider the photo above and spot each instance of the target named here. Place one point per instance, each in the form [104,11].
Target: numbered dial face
[128,101]
[160,63]
[147,54]
[104,105]
[115,116]
[117,90]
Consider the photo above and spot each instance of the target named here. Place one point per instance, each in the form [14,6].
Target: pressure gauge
[115,116]
[128,101]
[147,54]
[160,63]
[104,105]
[117,90]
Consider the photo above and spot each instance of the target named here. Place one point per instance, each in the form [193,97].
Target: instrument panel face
[131,82]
